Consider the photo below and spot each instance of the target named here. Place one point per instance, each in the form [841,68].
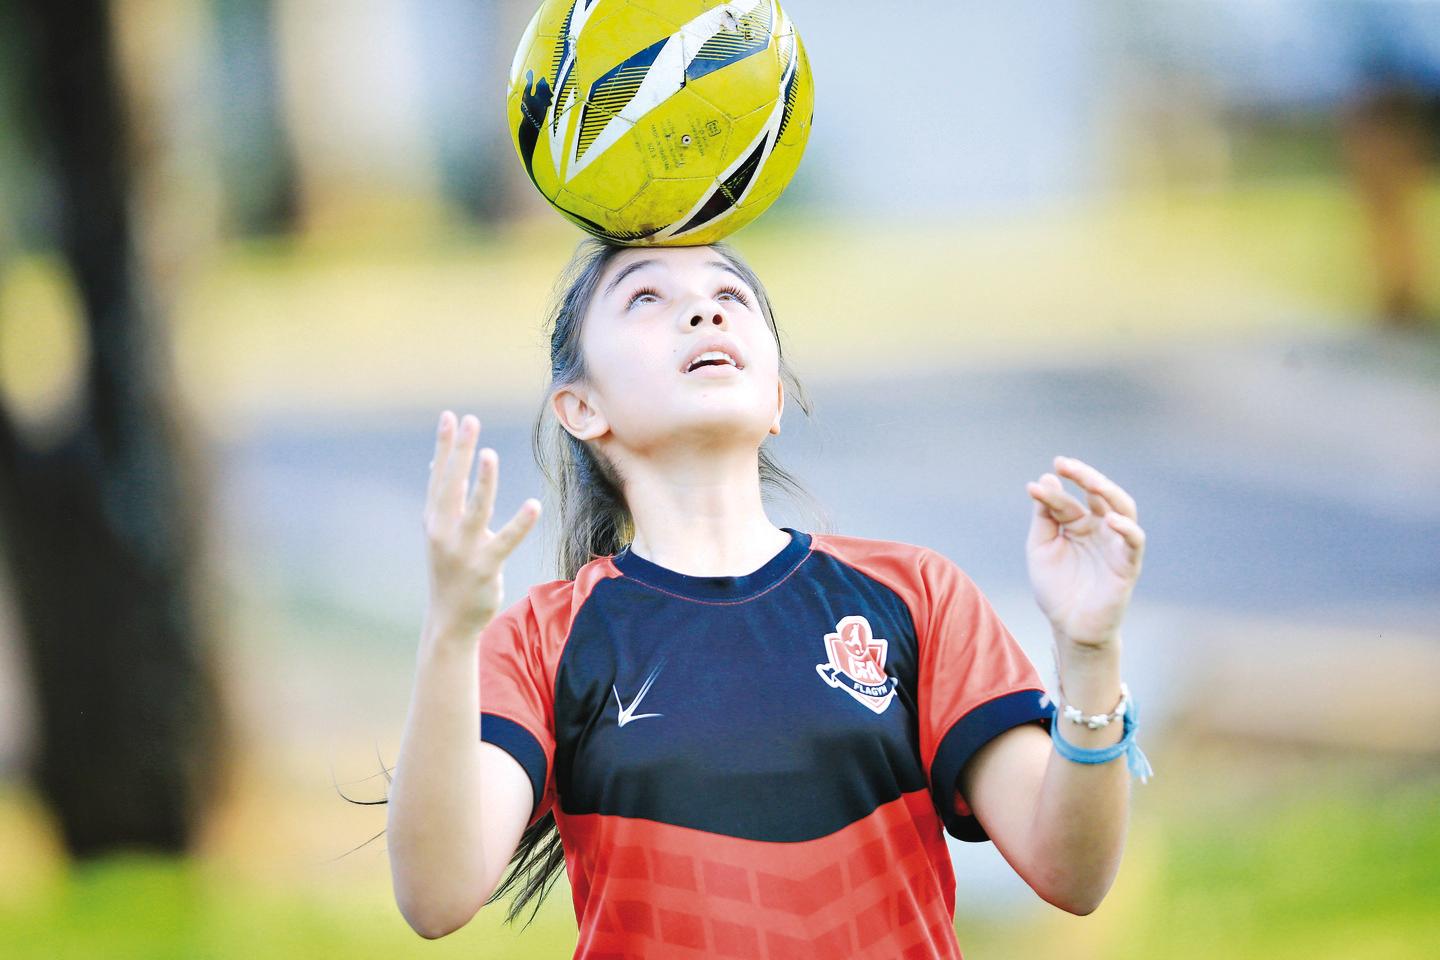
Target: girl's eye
[643,291]
[735,292]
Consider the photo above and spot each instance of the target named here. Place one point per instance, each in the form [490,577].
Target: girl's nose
[718,318]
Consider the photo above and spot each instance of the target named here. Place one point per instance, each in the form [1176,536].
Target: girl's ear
[573,408]
[779,408]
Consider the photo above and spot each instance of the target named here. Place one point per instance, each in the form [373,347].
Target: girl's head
[625,324]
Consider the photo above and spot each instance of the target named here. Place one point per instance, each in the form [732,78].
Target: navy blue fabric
[970,733]
[720,589]
[749,740]
[518,742]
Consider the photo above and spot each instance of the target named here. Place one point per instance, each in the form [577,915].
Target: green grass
[1333,865]
[134,906]
[1321,874]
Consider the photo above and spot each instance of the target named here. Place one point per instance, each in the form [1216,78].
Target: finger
[457,469]
[1043,527]
[1129,529]
[1053,509]
[1065,508]
[482,499]
[444,436]
[1096,482]
[508,537]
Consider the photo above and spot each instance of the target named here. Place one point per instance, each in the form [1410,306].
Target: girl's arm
[1061,823]
[457,806]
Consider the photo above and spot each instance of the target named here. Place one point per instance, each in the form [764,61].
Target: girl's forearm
[437,860]
[1082,812]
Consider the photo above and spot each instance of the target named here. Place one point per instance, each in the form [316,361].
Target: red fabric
[519,652]
[881,888]
[967,656]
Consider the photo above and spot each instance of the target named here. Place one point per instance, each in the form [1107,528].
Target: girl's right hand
[466,585]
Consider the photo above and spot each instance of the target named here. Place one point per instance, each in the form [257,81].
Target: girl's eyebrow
[631,267]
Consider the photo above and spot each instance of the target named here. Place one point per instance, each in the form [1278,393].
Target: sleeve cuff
[520,744]
[969,734]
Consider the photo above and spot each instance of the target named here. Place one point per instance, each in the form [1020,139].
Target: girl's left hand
[1083,562]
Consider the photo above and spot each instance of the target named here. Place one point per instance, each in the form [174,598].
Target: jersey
[760,765]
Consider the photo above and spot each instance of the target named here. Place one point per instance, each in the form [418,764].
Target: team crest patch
[857,663]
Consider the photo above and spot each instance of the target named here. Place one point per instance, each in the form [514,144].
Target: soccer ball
[661,122]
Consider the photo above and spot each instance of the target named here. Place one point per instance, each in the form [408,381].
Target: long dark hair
[590,518]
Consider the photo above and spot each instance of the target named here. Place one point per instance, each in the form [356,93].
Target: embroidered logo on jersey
[627,714]
[857,663]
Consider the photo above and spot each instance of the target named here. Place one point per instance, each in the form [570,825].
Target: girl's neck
[711,523]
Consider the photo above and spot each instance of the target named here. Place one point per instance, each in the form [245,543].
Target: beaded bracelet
[1134,757]
[1096,721]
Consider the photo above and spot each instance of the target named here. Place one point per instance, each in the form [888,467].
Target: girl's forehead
[662,259]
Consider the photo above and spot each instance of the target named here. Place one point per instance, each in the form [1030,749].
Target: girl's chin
[717,423]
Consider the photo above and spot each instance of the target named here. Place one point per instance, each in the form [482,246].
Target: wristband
[1134,756]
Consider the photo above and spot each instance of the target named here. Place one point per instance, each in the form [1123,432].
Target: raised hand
[1083,562]
[465,556]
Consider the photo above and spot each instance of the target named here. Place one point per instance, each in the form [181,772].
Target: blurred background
[249,249]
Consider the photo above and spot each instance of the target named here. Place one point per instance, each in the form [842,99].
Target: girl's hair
[592,519]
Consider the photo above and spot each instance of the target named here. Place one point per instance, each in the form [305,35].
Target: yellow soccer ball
[662,122]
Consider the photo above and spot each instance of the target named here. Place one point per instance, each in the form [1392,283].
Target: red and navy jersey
[761,765]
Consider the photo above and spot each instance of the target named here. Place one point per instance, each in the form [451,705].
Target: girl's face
[656,310]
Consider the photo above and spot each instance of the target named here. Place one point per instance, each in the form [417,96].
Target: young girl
[740,740]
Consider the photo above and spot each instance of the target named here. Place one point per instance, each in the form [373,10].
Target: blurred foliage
[352,321]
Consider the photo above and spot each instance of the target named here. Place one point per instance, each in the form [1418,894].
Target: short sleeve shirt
[760,765]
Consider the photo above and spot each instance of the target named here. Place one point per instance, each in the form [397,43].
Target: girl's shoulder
[549,608]
[878,552]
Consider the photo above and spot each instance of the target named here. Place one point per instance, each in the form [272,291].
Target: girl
[740,740]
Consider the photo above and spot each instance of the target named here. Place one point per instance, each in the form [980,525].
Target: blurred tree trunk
[101,529]
[258,156]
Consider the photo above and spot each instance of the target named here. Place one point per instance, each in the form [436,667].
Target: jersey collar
[743,587]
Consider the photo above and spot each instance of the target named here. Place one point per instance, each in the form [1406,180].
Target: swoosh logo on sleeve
[628,713]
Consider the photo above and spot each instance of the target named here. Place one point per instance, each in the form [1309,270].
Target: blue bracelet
[1134,756]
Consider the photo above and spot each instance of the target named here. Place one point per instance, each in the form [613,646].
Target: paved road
[1280,477]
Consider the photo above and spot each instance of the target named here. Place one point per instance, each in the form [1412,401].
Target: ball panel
[586,207]
[737,39]
[661,136]
[654,208]
[801,100]
[612,180]
[676,13]
[743,85]
[595,220]
[614,35]
[543,146]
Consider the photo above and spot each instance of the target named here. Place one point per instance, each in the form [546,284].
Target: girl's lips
[713,370]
